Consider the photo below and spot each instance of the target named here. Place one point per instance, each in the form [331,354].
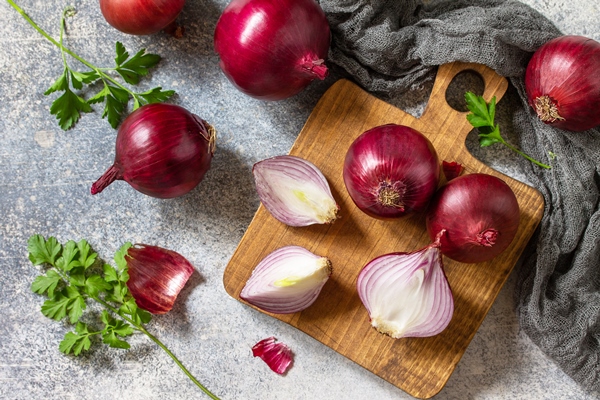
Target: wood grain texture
[419,366]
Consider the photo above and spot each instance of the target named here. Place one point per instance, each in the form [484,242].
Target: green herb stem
[65,49]
[183,368]
[482,118]
[69,106]
[533,160]
[160,344]
[50,38]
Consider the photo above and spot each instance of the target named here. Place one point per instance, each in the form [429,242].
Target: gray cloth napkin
[389,46]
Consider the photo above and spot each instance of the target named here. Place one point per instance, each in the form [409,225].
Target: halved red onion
[278,356]
[287,280]
[407,294]
[294,191]
[156,276]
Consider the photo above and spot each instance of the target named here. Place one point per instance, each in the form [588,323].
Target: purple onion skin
[162,150]
[272,50]
[480,214]
[567,71]
[396,156]
[140,17]
[156,276]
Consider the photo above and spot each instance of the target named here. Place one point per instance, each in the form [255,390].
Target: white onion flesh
[407,294]
[287,280]
[294,191]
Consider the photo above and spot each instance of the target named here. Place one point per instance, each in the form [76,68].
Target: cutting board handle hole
[465,81]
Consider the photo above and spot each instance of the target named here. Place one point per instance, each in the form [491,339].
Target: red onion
[391,171]
[272,50]
[479,214]
[156,276]
[140,17]
[162,150]
[278,356]
[563,83]
[287,280]
[407,294]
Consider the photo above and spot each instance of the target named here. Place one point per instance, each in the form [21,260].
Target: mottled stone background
[45,178]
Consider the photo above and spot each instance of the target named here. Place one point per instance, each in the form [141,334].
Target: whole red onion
[140,17]
[562,82]
[162,150]
[272,50]
[391,171]
[479,214]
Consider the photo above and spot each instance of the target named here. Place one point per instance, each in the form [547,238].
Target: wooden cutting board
[419,366]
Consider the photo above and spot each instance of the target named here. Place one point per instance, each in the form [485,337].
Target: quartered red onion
[278,356]
[391,171]
[407,294]
[162,150]
[156,276]
[287,280]
[294,191]
[272,50]
[479,215]
[141,17]
[562,82]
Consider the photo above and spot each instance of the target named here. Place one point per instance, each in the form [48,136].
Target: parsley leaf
[43,251]
[67,261]
[76,342]
[69,106]
[114,106]
[47,283]
[113,329]
[120,257]
[95,284]
[56,307]
[137,66]
[481,117]
[156,95]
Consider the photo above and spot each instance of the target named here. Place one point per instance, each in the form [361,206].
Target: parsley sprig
[482,117]
[73,276]
[69,106]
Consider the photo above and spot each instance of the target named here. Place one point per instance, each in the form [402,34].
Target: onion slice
[407,294]
[287,280]
[294,191]
[278,356]
[156,276]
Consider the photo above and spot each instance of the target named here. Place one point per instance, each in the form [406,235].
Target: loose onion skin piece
[272,50]
[277,355]
[162,150]
[479,214]
[156,276]
[391,171]
[562,82]
[141,17]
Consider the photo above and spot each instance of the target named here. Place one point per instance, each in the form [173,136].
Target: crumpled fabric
[391,46]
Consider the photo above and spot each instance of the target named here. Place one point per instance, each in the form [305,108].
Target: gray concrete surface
[45,178]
